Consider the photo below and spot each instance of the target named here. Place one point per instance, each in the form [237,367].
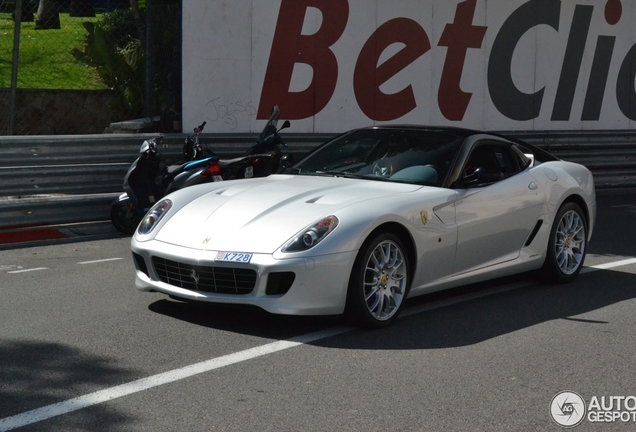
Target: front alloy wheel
[567,244]
[379,282]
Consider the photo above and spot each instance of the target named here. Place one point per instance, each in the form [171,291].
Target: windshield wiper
[293,171]
[300,171]
[343,174]
[316,173]
[346,174]
[334,173]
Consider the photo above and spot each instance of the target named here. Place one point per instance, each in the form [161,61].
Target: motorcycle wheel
[123,218]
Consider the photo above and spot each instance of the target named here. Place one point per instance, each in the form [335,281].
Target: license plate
[233,257]
[249,172]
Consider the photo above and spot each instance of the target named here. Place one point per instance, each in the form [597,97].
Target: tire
[379,282]
[122,218]
[567,245]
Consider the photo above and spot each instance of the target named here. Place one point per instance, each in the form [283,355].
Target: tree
[139,24]
[48,16]
[81,8]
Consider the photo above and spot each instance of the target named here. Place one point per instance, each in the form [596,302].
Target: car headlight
[312,235]
[153,216]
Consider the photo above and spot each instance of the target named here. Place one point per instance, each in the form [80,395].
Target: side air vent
[534,232]
[279,283]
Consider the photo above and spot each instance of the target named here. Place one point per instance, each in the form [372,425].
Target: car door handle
[533,186]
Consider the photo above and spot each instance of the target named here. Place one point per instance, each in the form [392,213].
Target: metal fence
[74,66]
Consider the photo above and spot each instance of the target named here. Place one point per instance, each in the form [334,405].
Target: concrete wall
[332,65]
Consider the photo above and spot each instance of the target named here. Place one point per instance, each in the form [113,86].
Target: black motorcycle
[260,160]
[269,141]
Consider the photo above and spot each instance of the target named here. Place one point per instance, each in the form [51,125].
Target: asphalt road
[82,350]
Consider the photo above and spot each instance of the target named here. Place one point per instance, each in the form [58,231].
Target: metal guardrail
[98,164]
[72,179]
[610,155]
[52,180]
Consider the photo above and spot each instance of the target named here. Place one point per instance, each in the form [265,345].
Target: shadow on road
[478,320]
[242,319]
[464,323]
[37,374]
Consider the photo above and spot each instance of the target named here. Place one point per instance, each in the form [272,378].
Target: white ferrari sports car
[369,219]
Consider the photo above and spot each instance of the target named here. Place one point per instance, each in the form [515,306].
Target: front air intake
[140,264]
[220,280]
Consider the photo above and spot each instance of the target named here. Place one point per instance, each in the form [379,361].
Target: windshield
[270,126]
[402,155]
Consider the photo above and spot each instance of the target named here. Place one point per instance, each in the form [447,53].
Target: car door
[497,210]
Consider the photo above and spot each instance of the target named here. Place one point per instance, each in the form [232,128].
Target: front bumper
[319,287]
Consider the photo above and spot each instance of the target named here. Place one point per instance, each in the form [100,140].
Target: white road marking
[101,396]
[610,265]
[28,270]
[65,407]
[10,267]
[100,261]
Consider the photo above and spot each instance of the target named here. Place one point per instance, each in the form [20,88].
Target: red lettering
[613,11]
[290,46]
[369,76]
[458,37]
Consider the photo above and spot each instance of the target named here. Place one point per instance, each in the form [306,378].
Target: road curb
[28,236]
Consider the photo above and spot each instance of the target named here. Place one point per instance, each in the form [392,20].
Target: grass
[45,59]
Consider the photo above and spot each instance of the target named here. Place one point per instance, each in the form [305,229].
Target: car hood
[261,215]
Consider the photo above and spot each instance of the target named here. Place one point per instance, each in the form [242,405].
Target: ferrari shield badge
[207,240]
[424,216]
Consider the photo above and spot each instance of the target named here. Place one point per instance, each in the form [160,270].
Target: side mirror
[285,125]
[481,176]
[286,161]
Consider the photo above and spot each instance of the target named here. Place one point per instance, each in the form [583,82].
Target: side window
[525,157]
[507,162]
[489,163]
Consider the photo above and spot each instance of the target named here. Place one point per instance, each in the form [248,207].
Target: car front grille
[221,280]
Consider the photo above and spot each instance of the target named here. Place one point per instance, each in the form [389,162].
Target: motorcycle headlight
[153,216]
[312,235]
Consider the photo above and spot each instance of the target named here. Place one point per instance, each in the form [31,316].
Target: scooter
[147,180]
[192,149]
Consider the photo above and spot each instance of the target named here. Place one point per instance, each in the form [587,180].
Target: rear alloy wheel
[567,244]
[379,282]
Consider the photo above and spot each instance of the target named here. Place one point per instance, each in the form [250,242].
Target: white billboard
[332,65]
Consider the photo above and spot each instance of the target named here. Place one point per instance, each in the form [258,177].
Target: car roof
[464,133]
[449,129]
